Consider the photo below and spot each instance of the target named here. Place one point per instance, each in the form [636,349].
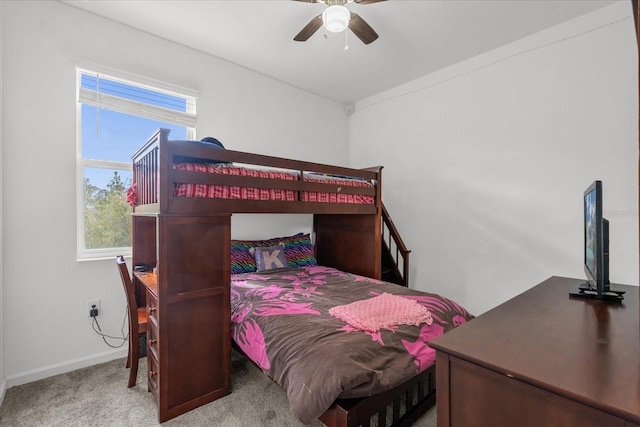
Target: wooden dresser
[543,359]
[188,303]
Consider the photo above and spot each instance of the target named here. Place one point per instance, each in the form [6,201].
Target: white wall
[486,161]
[46,327]
[2,377]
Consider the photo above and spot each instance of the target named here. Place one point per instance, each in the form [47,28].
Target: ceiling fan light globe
[335,19]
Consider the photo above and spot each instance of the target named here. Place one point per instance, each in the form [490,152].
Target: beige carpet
[98,396]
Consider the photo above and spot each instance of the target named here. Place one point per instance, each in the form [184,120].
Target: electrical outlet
[93,307]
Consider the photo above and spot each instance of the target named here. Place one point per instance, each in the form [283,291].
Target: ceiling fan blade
[309,29]
[318,1]
[362,1]
[361,29]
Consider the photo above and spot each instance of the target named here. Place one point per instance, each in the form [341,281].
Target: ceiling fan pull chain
[346,44]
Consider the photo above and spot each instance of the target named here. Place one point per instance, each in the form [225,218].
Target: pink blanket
[383,311]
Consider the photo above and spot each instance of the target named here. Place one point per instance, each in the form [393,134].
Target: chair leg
[128,365]
[134,355]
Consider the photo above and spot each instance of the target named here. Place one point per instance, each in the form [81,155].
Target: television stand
[585,290]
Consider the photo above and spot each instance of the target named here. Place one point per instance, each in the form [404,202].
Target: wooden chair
[137,320]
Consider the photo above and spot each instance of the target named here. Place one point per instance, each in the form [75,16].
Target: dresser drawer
[152,308]
[152,340]
[153,374]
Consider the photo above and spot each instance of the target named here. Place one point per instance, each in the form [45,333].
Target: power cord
[124,338]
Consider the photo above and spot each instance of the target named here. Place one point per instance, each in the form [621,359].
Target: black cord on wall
[124,338]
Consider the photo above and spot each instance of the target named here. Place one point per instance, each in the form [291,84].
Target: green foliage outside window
[107,216]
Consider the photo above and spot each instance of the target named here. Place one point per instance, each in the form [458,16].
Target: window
[115,117]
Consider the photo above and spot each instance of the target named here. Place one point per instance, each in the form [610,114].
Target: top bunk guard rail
[156,179]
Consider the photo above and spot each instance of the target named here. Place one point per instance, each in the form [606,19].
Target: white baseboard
[61,368]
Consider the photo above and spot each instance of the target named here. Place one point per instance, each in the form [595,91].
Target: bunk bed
[183,195]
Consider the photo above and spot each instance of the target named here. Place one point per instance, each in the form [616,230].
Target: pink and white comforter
[280,319]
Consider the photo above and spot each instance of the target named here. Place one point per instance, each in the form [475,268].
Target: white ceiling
[417,37]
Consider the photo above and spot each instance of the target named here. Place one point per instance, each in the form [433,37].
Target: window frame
[85,96]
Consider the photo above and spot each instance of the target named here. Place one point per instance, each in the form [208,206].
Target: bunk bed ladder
[395,255]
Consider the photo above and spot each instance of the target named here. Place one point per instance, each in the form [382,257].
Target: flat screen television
[596,248]
[596,239]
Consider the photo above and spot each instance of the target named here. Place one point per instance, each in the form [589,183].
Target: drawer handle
[152,342]
[153,373]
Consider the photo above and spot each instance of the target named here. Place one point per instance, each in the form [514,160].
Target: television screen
[590,234]
[596,249]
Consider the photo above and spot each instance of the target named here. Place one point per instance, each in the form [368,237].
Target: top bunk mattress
[256,193]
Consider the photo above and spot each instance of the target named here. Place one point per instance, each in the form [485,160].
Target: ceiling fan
[336,18]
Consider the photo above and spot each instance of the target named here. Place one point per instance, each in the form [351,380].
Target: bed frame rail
[401,406]
[155,179]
